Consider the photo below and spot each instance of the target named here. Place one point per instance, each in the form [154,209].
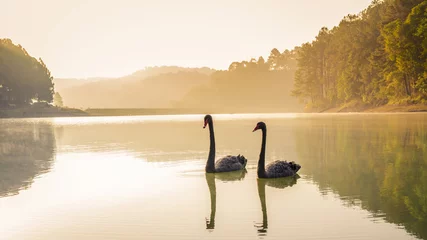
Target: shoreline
[29,112]
[379,109]
[37,112]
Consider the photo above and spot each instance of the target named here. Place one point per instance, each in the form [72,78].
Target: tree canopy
[23,78]
[375,57]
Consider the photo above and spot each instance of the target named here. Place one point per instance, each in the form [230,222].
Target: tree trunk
[408,92]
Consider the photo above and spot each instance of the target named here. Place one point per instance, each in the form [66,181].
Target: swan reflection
[210,180]
[280,183]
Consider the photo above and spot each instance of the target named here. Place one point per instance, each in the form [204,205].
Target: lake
[363,176]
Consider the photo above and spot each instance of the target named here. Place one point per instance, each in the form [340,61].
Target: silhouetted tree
[57,100]
[24,77]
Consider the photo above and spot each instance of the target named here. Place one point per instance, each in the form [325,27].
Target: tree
[250,85]
[57,100]
[25,77]
[375,57]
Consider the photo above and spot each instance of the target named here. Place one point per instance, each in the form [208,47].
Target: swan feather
[230,163]
[281,168]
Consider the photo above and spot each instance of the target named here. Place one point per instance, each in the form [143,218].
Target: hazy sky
[87,38]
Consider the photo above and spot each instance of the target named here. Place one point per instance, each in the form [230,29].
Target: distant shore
[36,112]
[31,112]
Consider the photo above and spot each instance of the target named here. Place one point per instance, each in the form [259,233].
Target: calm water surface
[363,177]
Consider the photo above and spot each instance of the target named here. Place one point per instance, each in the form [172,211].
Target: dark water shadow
[27,150]
[280,183]
[210,180]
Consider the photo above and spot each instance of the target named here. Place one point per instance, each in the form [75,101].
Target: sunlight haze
[114,38]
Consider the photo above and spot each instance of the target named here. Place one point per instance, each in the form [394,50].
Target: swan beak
[256,128]
[204,125]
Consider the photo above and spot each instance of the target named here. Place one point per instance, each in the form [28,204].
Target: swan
[274,169]
[225,164]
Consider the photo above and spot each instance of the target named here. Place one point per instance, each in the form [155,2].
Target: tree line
[254,85]
[23,78]
[376,57]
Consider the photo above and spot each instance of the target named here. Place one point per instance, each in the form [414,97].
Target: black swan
[225,164]
[210,180]
[275,183]
[277,168]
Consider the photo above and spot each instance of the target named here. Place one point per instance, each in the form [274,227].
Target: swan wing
[230,163]
[280,168]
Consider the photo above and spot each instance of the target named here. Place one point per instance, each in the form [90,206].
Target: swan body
[281,168]
[225,164]
[277,168]
[230,163]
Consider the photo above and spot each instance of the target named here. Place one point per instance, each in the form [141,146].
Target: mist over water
[363,176]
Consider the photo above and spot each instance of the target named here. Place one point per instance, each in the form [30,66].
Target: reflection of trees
[379,162]
[280,183]
[210,180]
[26,151]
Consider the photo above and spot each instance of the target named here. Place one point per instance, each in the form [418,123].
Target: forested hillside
[373,58]
[257,85]
[22,77]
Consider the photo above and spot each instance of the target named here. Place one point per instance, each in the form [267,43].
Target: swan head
[259,125]
[208,119]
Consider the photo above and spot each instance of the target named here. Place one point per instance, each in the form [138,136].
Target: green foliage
[375,57]
[22,77]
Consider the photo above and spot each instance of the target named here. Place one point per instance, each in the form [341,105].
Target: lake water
[363,176]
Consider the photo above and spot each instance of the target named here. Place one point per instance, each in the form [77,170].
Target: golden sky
[106,38]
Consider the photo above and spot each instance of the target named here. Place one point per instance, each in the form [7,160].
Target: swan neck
[261,161]
[210,165]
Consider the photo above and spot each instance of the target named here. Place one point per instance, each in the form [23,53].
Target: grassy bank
[36,112]
[357,107]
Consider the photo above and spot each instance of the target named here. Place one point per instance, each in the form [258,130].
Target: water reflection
[376,162]
[379,164]
[210,180]
[160,141]
[280,183]
[26,151]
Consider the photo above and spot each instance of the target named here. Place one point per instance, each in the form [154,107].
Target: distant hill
[249,86]
[64,83]
[153,87]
